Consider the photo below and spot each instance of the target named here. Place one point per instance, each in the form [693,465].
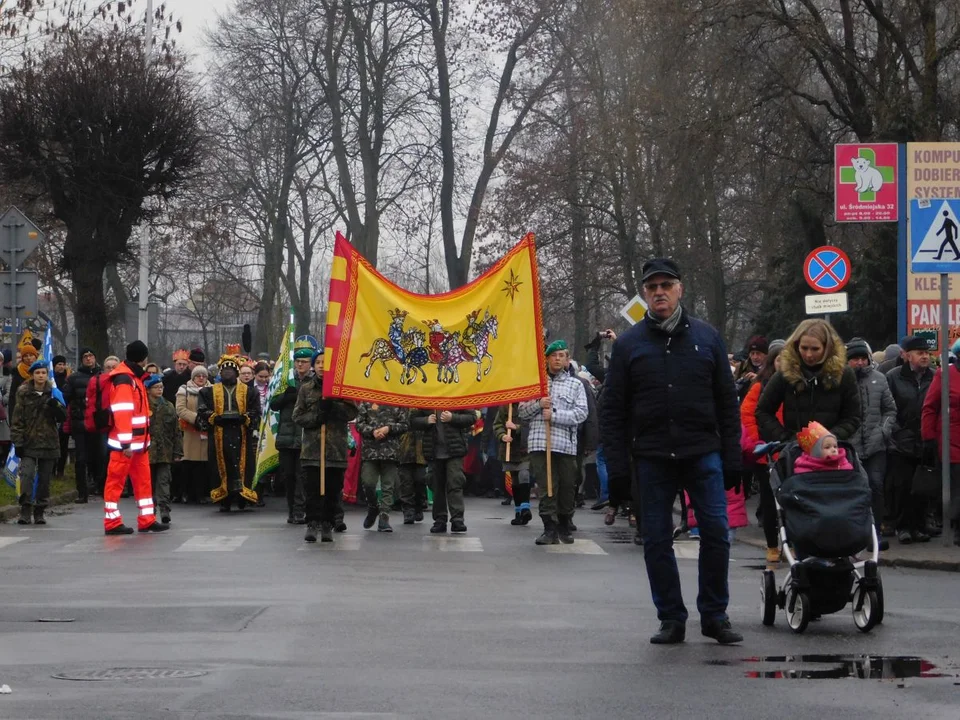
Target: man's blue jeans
[602,475]
[659,482]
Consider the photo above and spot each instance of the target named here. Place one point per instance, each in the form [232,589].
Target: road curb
[12,511]
[939,565]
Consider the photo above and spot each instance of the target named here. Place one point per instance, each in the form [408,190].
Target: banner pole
[549,464]
[509,431]
[945,402]
[323,460]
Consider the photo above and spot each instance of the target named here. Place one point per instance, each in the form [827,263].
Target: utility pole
[143,331]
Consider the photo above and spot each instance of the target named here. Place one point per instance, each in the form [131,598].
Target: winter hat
[84,351]
[891,352]
[811,439]
[199,370]
[555,346]
[759,343]
[912,342]
[197,356]
[57,359]
[26,344]
[778,344]
[40,364]
[152,380]
[859,348]
[316,353]
[137,351]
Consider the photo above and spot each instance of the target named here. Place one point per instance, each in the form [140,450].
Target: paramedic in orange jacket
[129,443]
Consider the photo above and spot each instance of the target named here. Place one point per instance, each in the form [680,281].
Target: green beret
[555,346]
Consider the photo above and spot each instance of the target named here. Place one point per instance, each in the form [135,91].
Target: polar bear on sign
[868,177]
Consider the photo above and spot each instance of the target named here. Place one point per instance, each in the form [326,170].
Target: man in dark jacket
[669,395]
[756,350]
[909,384]
[879,413]
[88,455]
[289,434]
[445,446]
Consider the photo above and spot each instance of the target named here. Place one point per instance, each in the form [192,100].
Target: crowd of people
[667,416]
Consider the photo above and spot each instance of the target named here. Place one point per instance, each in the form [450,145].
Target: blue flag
[48,354]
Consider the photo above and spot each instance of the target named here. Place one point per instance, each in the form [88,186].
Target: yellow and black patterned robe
[232,413]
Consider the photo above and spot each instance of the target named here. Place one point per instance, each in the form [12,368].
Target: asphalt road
[407,625]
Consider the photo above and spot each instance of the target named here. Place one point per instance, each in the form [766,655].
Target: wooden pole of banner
[549,464]
[323,460]
[509,431]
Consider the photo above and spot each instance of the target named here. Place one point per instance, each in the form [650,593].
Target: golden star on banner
[512,285]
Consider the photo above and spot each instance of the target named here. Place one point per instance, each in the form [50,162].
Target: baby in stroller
[823,499]
[821,451]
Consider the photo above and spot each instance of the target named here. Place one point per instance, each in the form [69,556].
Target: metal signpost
[20,238]
[827,271]
[934,228]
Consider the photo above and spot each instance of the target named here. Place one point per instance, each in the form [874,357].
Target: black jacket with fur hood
[827,394]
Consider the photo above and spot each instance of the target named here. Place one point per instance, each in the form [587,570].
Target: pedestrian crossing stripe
[5,541]
[452,543]
[99,544]
[579,547]
[212,543]
[934,230]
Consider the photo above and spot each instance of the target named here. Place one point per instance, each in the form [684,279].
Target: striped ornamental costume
[129,431]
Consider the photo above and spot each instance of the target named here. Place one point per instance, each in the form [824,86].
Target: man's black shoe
[418,515]
[600,505]
[722,632]
[310,535]
[408,517]
[156,527]
[438,527]
[326,532]
[373,514]
[340,527]
[671,633]
[507,501]
[526,516]
[119,530]
[457,525]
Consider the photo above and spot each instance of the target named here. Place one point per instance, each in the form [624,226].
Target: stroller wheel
[768,597]
[868,602]
[799,616]
[879,609]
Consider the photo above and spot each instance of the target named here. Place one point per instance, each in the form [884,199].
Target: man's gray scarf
[668,325]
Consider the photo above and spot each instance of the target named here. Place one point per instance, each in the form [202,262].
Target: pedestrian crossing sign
[934,231]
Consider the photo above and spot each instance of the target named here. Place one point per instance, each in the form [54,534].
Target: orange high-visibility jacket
[131,411]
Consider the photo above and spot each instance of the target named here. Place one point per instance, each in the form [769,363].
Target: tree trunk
[264,336]
[86,271]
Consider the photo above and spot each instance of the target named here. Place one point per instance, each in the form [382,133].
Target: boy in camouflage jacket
[381,428]
[519,465]
[34,433]
[166,444]
[311,412]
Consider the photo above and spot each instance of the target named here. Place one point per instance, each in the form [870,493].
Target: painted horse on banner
[477,339]
[384,350]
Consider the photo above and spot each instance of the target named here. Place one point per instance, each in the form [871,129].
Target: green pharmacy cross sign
[866,183]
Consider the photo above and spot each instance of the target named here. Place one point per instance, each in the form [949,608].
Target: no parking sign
[827,269]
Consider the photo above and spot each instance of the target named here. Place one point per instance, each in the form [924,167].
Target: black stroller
[825,521]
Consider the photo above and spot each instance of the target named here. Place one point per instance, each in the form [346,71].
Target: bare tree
[99,136]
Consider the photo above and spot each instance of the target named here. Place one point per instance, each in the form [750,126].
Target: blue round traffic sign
[827,269]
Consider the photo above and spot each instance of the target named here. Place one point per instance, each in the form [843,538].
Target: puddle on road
[841,667]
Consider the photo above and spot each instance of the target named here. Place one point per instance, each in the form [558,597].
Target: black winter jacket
[668,396]
[830,396]
[454,432]
[289,434]
[75,393]
[909,391]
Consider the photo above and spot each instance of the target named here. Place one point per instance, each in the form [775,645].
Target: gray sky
[197,15]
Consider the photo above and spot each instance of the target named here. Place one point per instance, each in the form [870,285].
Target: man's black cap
[912,342]
[660,266]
